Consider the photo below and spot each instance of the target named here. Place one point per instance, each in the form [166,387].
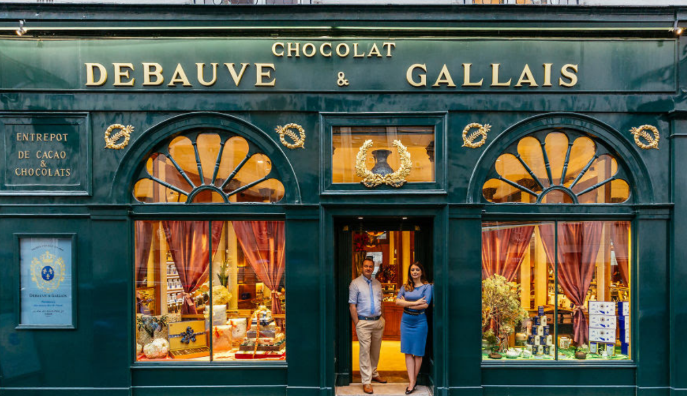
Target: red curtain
[620,234]
[503,250]
[263,244]
[188,242]
[144,238]
[578,247]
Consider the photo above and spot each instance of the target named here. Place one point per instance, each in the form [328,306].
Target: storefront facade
[136,137]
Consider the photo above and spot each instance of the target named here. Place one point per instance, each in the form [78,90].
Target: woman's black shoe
[409,391]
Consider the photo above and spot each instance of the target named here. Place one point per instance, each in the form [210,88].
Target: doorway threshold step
[382,389]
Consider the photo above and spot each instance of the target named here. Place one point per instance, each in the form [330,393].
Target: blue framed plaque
[47,297]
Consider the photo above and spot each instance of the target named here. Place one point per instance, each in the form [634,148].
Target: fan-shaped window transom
[208,166]
[559,167]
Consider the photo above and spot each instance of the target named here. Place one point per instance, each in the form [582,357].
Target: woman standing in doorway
[415,296]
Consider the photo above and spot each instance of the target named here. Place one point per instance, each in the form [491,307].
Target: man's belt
[412,312]
[368,317]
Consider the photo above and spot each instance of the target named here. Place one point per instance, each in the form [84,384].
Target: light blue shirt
[366,294]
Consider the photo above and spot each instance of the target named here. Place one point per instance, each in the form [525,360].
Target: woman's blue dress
[414,327]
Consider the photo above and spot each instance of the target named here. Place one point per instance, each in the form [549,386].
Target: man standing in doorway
[365,304]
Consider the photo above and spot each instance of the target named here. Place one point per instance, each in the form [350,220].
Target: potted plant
[501,309]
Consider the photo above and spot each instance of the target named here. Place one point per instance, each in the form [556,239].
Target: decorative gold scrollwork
[396,179]
[652,141]
[298,141]
[469,141]
[125,131]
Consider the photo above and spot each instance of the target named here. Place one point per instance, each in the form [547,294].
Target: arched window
[208,166]
[557,290]
[557,167]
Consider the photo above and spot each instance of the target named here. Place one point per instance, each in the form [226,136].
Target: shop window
[383,157]
[557,168]
[208,167]
[556,291]
[210,291]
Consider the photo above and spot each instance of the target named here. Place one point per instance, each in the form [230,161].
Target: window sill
[559,364]
[208,365]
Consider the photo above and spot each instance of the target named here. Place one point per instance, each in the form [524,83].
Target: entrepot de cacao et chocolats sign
[45,154]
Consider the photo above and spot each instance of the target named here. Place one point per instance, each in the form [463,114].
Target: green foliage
[501,303]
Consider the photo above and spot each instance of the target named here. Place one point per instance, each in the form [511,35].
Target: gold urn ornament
[393,179]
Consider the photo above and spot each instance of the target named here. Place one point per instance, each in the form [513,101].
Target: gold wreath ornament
[396,179]
[298,141]
[125,132]
[651,139]
[469,140]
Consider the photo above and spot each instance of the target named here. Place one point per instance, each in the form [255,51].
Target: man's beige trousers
[370,337]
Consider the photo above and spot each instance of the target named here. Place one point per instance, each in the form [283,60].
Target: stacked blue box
[624,326]
[539,334]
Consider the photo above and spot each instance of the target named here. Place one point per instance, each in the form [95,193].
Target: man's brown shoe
[379,379]
[367,388]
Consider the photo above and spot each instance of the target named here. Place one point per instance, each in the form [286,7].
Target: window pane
[517,292]
[175,283]
[249,295]
[509,167]
[556,149]
[498,191]
[582,152]
[382,157]
[579,304]
[557,197]
[594,293]
[530,151]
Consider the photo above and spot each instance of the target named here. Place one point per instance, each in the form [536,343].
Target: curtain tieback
[579,309]
[188,299]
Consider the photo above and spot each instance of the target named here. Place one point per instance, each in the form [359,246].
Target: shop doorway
[394,244]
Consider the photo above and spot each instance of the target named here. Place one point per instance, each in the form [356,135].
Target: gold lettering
[290,50]
[355,51]
[305,50]
[495,77]
[261,75]
[527,78]
[152,70]
[179,76]
[201,79]
[90,75]
[444,78]
[24,154]
[236,77]
[274,49]
[344,45]
[547,74]
[327,54]
[423,76]
[374,51]
[567,73]
[118,74]
[388,47]
[466,77]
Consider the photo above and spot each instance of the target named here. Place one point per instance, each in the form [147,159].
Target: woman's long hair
[410,283]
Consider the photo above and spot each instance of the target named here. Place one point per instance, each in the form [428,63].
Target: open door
[394,244]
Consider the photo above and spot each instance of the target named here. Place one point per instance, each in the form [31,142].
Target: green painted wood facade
[632,72]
